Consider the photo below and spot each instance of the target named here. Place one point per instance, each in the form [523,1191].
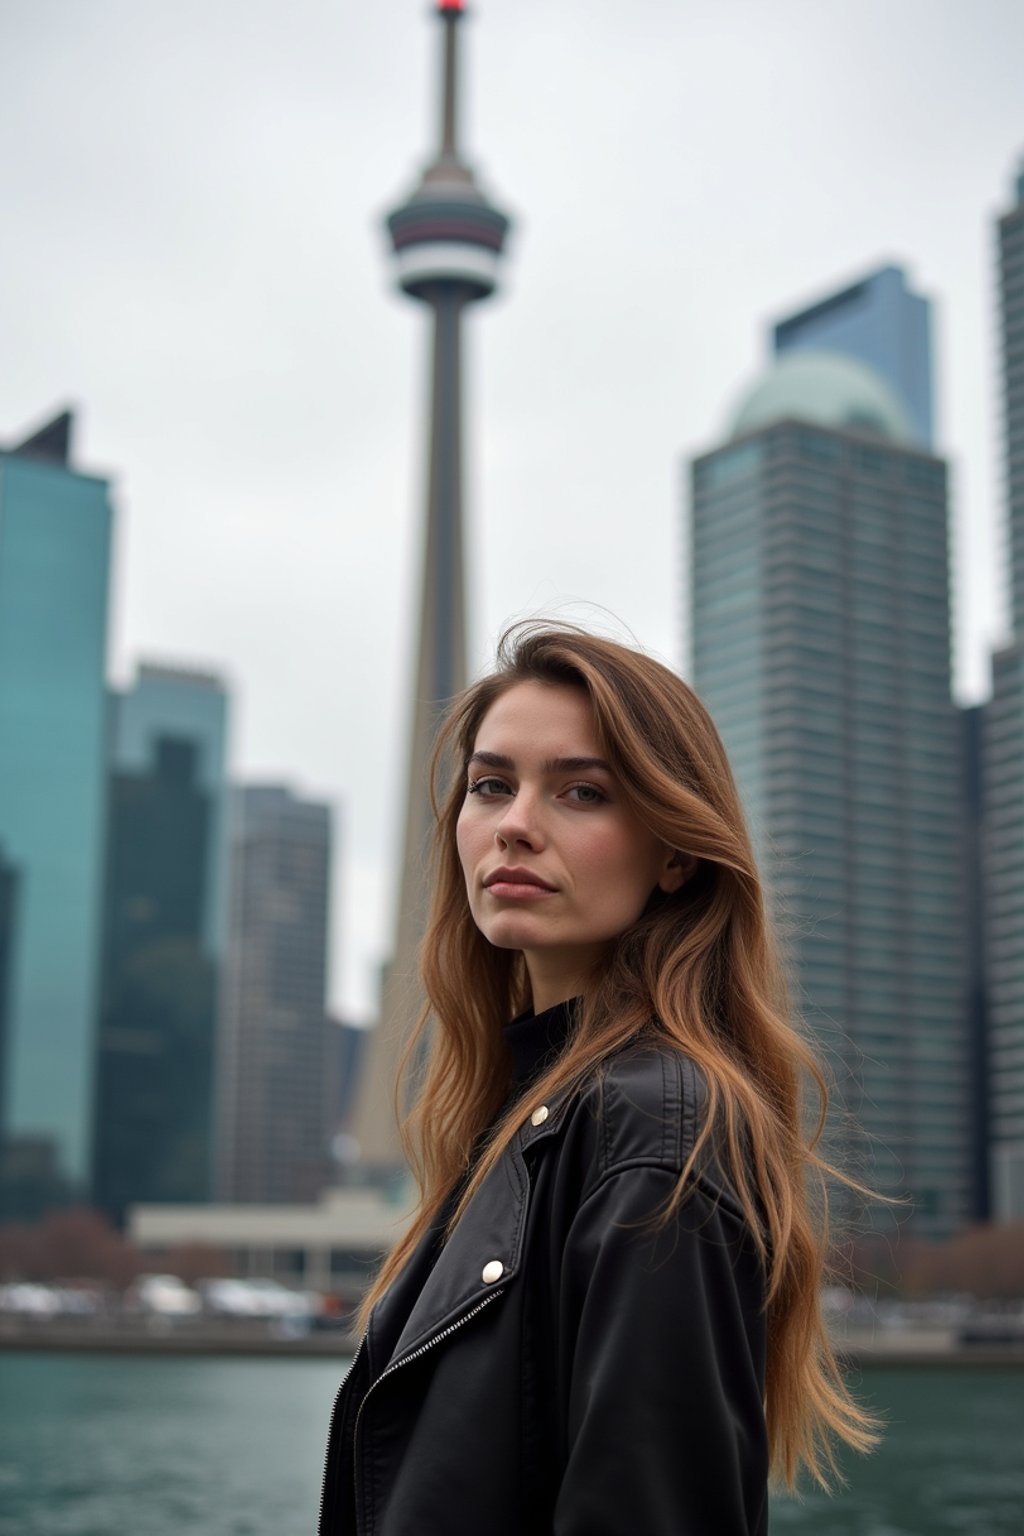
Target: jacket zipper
[330,1430]
[397,1365]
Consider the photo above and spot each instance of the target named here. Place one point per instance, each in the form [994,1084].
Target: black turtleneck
[534,1040]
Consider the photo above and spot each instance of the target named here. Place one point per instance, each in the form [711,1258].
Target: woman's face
[555,863]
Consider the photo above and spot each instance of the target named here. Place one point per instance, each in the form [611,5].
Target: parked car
[162,1296]
[255,1298]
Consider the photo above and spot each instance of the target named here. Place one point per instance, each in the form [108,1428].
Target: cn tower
[447,239]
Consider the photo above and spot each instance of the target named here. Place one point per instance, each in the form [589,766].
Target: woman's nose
[520,823]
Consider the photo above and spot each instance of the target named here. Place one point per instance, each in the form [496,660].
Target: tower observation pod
[448,241]
[448,233]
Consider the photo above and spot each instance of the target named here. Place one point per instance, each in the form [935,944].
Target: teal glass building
[55,534]
[163,938]
[821,644]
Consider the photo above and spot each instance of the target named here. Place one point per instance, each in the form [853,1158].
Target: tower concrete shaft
[448,241]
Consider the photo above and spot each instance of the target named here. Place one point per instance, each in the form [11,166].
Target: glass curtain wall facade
[55,534]
[1004,767]
[1004,925]
[156,1059]
[274,1042]
[879,321]
[820,643]
[1011,316]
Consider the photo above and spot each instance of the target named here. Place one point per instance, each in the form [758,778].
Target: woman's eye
[487,787]
[586,794]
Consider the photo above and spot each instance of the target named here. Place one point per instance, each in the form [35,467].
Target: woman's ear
[677,869]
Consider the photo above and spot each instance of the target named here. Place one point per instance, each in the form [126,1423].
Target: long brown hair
[699,969]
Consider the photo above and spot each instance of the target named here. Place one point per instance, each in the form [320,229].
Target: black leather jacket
[564,1367]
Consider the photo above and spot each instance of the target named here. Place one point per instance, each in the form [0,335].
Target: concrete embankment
[180,1336]
[900,1347]
[860,1348]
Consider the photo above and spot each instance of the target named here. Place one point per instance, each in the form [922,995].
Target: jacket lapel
[490,1232]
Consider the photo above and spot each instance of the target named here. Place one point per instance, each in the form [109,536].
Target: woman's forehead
[539,719]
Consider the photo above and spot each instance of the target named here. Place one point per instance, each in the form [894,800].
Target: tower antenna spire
[451,12]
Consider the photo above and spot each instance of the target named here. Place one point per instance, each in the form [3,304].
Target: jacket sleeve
[663,1366]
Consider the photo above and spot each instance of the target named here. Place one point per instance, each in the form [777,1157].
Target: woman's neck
[556,977]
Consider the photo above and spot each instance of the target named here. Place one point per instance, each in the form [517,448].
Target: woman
[604,1318]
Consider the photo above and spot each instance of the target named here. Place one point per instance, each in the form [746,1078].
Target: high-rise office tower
[272,1133]
[55,530]
[1003,764]
[8,894]
[448,240]
[976,1022]
[879,321]
[162,942]
[1011,304]
[821,644]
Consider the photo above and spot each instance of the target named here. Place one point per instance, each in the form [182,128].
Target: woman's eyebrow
[552,765]
[491,760]
[575,764]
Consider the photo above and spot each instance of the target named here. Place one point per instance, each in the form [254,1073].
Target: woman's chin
[514,930]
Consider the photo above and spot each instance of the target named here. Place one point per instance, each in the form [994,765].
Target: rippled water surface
[951,1462]
[94,1445]
[100,1445]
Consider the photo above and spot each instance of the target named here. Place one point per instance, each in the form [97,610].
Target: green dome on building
[828,390]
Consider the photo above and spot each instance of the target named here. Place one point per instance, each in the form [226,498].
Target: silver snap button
[539,1115]
[492,1271]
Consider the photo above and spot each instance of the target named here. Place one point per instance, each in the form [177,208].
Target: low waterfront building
[330,1246]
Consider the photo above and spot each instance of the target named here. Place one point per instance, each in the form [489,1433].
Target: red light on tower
[451,5]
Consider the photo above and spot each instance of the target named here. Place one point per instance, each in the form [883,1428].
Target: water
[94,1445]
[101,1445]
[951,1461]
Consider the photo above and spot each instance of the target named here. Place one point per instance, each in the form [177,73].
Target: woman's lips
[518,890]
[517,885]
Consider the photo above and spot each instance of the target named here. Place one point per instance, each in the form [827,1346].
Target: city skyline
[199,286]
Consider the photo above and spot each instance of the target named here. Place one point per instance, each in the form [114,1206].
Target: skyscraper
[1011,311]
[448,241]
[162,942]
[55,531]
[272,1122]
[878,321]
[1003,760]
[821,645]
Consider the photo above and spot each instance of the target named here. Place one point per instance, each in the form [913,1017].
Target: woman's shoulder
[647,1106]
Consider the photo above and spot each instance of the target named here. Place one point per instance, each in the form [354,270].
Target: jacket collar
[490,1233]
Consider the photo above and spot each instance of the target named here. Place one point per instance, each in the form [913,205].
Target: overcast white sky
[191,195]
